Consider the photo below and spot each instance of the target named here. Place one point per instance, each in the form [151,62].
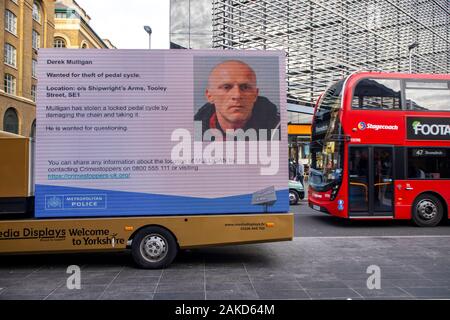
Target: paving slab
[333,293]
[231,295]
[283,294]
[306,268]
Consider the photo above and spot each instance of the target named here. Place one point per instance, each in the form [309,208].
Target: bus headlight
[334,191]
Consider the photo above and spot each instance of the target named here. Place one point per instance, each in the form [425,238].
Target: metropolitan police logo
[362,125]
[54,202]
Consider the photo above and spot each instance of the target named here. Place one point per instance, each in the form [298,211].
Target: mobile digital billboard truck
[149,150]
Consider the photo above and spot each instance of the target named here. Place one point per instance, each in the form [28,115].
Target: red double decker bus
[380,148]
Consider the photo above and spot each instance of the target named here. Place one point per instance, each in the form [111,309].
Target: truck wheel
[154,248]
[427,211]
[293,197]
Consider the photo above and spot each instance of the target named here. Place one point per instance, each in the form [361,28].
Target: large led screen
[160,132]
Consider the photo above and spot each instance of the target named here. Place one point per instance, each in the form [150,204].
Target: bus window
[429,95]
[377,94]
[327,159]
[428,163]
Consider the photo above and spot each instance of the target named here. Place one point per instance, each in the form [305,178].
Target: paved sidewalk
[306,268]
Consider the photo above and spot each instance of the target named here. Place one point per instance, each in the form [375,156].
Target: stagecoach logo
[419,128]
[362,126]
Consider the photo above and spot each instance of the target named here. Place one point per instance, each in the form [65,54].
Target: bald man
[234,101]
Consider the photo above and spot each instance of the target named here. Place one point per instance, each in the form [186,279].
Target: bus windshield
[327,146]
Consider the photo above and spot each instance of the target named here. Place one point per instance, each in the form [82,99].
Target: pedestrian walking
[300,172]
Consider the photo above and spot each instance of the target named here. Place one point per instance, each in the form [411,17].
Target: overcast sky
[122,22]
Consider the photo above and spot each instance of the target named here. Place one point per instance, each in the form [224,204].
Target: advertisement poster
[160,132]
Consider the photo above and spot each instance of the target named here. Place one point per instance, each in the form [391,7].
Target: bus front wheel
[154,248]
[427,211]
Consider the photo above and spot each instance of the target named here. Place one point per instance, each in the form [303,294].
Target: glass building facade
[191,24]
[324,40]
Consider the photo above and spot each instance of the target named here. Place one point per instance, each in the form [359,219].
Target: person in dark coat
[234,103]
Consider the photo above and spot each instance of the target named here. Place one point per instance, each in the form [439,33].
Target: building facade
[191,24]
[324,41]
[27,26]
[72,29]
